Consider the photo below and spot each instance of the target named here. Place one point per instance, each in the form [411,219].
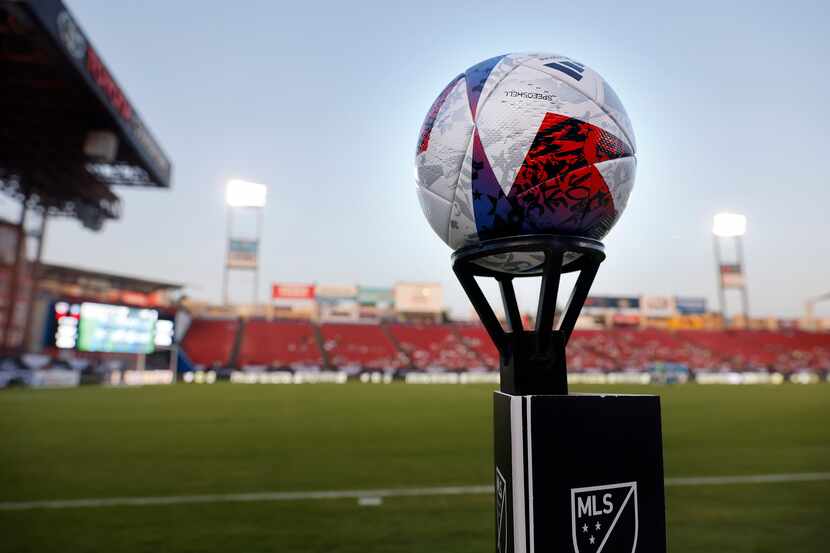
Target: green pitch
[181,440]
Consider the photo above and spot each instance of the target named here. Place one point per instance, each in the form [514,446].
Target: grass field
[177,440]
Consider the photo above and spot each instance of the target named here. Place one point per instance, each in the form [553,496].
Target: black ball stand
[532,361]
[578,473]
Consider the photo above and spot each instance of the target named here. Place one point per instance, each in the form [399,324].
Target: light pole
[242,253]
[725,227]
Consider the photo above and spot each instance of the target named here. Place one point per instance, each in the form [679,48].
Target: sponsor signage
[657,306]
[687,322]
[292,291]
[590,322]
[623,319]
[135,298]
[375,296]
[344,310]
[419,298]
[332,292]
[612,303]
[67,34]
[242,254]
[690,306]
[337,302]
[731,275]
[375,303]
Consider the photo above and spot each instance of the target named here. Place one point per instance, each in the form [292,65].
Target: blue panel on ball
[491,207]
[476,76]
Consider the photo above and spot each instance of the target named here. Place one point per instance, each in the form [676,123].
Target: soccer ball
[524,144]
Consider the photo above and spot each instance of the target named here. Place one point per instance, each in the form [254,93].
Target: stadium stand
[617,349]
[279,345]
[758,349]
[458,346]
[434,347]
[364,346]
[210,342]
[586,351]
[476,339]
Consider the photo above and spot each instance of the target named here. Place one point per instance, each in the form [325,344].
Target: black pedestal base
[579,473]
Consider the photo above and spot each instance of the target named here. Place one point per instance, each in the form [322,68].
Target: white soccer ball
[524,144]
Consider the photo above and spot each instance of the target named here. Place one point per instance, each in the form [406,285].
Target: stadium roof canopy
[86,278]
[68,133]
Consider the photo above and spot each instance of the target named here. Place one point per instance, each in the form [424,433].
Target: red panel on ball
[564,144]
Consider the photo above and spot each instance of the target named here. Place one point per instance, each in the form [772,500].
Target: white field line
[358,494]
[240,497]
[751,479]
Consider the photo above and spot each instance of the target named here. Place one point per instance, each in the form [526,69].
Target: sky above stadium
[323,102]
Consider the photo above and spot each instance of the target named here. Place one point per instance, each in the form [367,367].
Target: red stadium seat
[365,346]
[434,347]
[209,342]
[456,347]
[279,344]
[475,337]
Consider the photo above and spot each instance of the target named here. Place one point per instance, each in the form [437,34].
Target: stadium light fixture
[728,225]
[240,193]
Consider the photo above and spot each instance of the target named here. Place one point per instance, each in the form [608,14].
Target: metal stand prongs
[532,360]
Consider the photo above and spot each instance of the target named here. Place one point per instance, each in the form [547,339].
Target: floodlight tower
[730,227]
[810,310]
[243,199]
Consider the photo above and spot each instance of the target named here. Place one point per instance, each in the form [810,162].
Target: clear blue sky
[323,102]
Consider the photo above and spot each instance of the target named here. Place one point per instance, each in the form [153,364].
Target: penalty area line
[362,494]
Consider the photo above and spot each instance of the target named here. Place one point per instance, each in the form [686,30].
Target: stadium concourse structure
[68,136]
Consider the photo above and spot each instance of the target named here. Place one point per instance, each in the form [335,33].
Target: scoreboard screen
[116,328]
[104,327]
[67,316]
[164,332]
